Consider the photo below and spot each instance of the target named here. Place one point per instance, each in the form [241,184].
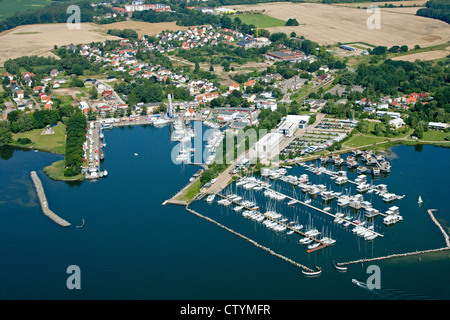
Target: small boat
[290,232]
[313,245]
[337,267]
[136,154]
[292,202]
[420,200]
[210,198]
[305,240]
[312,273]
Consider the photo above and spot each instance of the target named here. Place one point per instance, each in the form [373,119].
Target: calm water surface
[132,247]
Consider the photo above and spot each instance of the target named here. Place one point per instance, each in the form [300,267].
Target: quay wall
[43,201]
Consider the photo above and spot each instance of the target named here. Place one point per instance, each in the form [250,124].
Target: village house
[396,123]
[234,86]
[249,83]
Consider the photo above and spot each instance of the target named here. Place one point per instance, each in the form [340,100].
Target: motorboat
[210,198]
[313,245]
[312,273]
[338,267]
[305,240]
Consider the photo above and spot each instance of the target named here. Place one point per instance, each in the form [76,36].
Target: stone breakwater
[446,238]
[251,241]
[43,201]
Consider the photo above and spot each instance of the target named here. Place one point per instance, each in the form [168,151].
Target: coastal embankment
[43,201]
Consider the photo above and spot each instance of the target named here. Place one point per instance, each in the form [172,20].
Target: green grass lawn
[358,141]
[432,135]
[55,143]
[260,20]
[56,172]
[189,194]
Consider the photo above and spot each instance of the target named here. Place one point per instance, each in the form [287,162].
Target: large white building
[268,146]
[291,124]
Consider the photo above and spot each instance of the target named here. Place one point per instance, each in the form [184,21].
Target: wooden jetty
[321,246]
[43,201]
[305,269]
[320,210]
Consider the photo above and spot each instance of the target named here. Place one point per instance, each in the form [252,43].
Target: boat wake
[385,293]
[82,225]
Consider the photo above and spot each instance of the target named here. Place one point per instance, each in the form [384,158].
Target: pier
[43,201]
[322,244]
[304,268]
[320,210]
[446,238]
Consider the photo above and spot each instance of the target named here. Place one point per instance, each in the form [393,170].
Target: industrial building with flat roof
[291,124]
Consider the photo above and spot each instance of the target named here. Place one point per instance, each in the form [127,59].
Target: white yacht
[160,122]
[210,198]
[313,245]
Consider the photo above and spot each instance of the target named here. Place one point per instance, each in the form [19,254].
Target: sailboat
[420,200]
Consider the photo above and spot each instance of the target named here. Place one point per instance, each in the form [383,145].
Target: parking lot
[323,135]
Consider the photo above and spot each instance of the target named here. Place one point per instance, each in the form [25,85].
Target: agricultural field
[39,39]
[329,24]
[10,7]
[428,55]
[418,3]
[260,20]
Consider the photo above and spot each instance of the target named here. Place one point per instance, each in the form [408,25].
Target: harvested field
[381,3]
[329,24]
[143,28]
[429,55]
[39,39]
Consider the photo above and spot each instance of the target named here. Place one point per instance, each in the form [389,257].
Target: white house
[438,125]
[396,123]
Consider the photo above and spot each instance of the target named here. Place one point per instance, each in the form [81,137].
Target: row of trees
[69,62]
[76,135]
[124,33]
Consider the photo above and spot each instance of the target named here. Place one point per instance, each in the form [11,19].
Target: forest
[436,9]
[70,62]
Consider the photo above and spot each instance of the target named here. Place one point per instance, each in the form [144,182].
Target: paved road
[225,177]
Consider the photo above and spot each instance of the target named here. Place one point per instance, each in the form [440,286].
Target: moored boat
[338,267]
[312,273]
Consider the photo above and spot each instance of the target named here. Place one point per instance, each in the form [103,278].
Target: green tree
[418,132]
[25,123]
[5,133]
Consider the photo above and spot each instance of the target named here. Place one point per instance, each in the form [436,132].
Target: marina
[148,224]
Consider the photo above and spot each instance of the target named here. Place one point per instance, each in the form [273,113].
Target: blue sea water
[132,247]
